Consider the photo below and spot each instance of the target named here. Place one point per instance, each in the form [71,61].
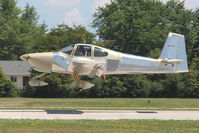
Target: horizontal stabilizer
[170,61]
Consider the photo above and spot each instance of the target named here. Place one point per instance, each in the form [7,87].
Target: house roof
[15,67]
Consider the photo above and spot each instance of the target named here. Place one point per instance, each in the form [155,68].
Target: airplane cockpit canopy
[84,50]
[68,50]
[98,52]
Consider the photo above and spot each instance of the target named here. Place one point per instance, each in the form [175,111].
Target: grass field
[101,126]
[98,126]
[99,103]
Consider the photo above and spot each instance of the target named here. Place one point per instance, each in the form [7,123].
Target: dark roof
[15,67]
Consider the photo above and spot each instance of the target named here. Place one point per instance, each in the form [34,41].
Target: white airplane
[91,60]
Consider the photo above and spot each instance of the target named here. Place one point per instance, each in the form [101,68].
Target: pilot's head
[81,48]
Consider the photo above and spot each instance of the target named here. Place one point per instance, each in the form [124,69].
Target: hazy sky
[70,12]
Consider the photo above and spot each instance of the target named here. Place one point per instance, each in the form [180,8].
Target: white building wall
[19,82]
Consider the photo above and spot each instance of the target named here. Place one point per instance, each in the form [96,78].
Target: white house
[16,71]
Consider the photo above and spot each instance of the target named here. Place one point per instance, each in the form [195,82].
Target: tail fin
[174,51]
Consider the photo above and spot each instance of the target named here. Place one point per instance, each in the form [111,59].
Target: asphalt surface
[98,114]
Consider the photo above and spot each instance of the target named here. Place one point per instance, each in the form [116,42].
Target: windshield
[68,50]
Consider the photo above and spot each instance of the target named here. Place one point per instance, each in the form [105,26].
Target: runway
[98,114]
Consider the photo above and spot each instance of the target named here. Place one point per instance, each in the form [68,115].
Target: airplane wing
[85,66]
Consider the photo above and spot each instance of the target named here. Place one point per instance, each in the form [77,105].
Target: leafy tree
[132,25]
[192,78]
[141,27]
[7,87]
[62,36]
[18,29]
[58,86]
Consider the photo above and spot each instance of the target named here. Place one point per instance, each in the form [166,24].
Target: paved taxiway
[98,114]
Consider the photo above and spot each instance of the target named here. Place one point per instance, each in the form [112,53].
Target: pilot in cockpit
[80,51]
[83,51]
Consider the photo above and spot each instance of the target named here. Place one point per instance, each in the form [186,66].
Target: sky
[78,12]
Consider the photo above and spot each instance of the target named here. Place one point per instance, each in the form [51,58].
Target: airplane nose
[25,57]
[39,60]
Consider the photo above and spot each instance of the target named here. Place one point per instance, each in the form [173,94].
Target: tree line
[137,27]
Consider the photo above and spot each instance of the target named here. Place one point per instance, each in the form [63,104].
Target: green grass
[101,126]
[99,103]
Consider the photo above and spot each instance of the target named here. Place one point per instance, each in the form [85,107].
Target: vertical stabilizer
[174,50]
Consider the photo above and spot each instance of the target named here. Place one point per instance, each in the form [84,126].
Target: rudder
[174,51]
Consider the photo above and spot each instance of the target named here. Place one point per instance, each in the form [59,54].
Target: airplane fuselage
[124,64]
